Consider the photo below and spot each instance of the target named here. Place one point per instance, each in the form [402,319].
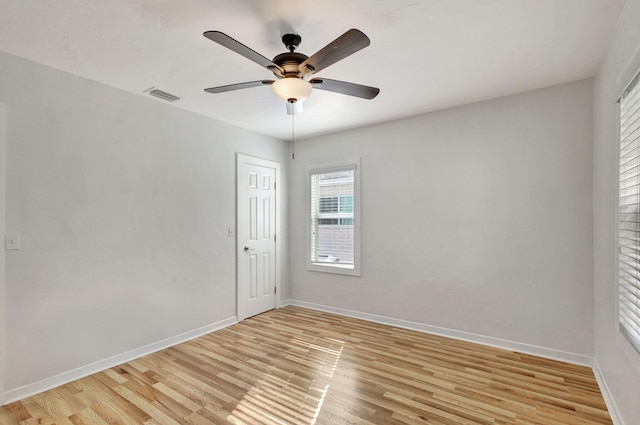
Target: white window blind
[332,217]
[629,215]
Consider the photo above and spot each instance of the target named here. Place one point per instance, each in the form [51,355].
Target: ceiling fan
[294,71]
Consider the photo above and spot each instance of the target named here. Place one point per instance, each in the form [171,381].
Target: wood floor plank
[126,412]
[295,366]
[87,417]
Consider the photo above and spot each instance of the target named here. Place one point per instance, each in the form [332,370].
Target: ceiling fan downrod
[291,41]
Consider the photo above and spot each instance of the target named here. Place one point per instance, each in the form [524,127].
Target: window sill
[345,269]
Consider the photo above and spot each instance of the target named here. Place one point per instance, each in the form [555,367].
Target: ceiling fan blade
[343,46]
[239,86]
[232,44]
[342,87]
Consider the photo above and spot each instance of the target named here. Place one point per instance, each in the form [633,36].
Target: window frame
[328,167]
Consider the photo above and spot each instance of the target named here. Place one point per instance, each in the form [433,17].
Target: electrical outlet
[12,241]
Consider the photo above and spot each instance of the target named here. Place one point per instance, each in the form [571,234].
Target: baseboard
[606,394]
[66,377]
[549,353]
[284,303]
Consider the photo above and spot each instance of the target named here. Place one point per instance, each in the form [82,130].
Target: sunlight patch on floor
[286,395]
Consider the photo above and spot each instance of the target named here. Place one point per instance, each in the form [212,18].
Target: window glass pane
[328,204]
[346,204]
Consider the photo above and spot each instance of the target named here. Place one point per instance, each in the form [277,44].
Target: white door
[256,236]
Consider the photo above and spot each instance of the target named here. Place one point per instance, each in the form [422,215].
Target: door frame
[3,229]
[248,159]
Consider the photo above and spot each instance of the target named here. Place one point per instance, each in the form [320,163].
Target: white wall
[619,364]
[475,219]
[123,203]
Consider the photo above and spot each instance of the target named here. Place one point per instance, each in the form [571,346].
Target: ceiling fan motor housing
[290,63]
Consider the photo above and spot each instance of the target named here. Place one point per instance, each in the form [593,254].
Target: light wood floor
[297,366]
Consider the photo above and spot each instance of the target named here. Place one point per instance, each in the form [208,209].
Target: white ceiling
[425,55]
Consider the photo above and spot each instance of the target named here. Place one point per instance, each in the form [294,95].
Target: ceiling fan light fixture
[292,89]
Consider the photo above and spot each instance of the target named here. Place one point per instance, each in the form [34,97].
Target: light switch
[230,232]
[12,241]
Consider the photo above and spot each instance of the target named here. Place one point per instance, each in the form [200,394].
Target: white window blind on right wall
[629,215]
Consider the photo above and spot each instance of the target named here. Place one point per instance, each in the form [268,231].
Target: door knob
[246,248]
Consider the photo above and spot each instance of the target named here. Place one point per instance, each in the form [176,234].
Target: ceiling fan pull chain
[293,138]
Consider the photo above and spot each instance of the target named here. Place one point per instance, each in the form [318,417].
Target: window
[629,215]
[333,218]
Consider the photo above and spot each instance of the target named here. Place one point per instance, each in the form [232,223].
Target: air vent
[162,94]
